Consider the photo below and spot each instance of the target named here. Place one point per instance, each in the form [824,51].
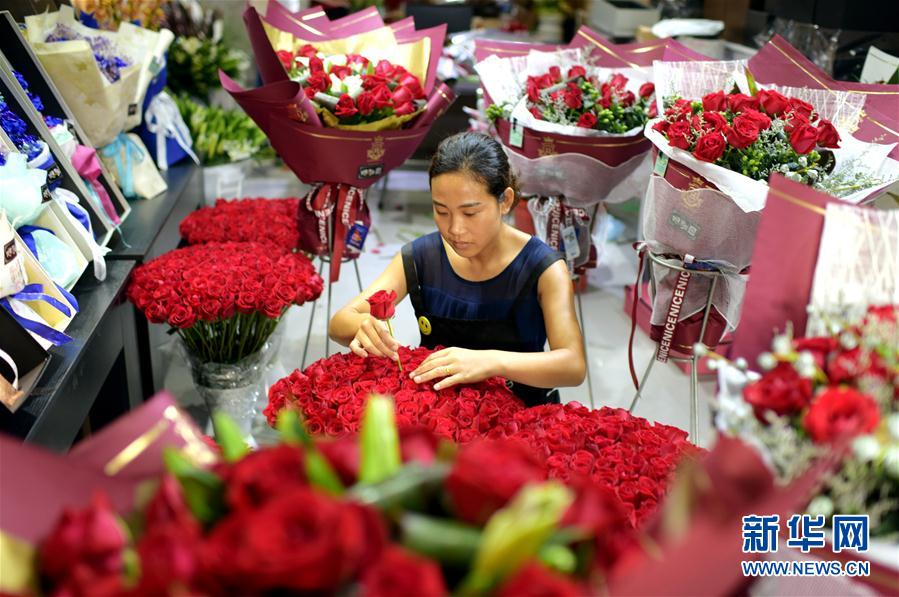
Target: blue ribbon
[125,167]
[26,233]
[81,215]
[35,292]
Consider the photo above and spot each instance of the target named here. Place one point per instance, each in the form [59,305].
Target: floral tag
[355,238]
[516,135]
[569,239]
[661,164]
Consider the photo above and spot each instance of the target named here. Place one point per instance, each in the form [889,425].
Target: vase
[231,388]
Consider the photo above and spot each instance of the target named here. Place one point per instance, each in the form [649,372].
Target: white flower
[337,60]
[302,60]
[891,461]
[848,341]
[866,448]
[336,84]
[803,161]
[782,345]
[893,425]
[353,85]
[767,361]
[821,506]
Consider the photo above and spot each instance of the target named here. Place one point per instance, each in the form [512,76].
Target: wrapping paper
[102,108]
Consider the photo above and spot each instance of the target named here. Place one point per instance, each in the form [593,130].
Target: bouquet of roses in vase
[718,139]
[838,391]
[224,300]
[374,88]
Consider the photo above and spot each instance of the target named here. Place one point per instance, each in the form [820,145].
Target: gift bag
[127,160]
[566,229]
[12,268]
[20,189]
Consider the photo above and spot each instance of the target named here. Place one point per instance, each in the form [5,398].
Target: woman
[490,293]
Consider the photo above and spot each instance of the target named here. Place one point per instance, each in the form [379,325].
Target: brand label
[370,171]
[9,252]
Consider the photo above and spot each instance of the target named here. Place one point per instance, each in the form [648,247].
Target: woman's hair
[478,155]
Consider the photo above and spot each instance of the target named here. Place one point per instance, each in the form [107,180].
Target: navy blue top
[446,294]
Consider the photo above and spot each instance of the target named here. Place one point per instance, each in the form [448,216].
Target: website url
[805,568]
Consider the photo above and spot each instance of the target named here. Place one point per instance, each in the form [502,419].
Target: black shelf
[152,227]
[95,374]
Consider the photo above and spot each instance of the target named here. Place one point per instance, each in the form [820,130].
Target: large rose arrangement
[279,520]
[754,135]
[627,454]
[829,391]
[223,299]
[578,99]
[352,88]
[331,393]
[244,220]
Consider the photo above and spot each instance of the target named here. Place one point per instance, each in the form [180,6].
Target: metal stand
[693,359]
[323,259]
[575,279]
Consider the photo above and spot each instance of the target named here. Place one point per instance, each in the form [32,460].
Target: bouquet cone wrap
[441,99]
[131,447]
[270,68]
[780,63]
[317,25]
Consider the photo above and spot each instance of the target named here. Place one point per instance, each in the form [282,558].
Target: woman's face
[467,215]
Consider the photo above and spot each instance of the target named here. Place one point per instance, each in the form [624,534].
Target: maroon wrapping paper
[318,154]
[31,496]
[322,29]
[612,151]
[440,100]
[508,49]
[270,68]
[131,446]
[783,265]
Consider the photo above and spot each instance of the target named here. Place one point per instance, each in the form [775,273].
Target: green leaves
[446,541]
[221,136]
[229,437]
[318,470]
[379,441]
[203,490]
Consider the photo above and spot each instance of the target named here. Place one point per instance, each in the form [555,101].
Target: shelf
[102,337]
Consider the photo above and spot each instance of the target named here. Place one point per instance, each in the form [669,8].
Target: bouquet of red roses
[385,512]
[244,220]
[350,90]
[626,454]
[223,299]
[823,392]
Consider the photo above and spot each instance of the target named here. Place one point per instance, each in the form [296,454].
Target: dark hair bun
[478,155]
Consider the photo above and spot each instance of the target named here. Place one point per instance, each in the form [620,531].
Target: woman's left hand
[455,366]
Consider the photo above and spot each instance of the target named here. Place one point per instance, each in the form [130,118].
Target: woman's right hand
[373,339]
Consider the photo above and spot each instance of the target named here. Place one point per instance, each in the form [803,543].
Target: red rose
[533,580]
[169,559]
[714,102]
[647,89]
[286,59]
[709,147]
[402,95]
[773,102]
[535,113]
[737,102]
[385,69]
[627,99]
[167,506]
[801,107]
[803,138]
[400,572]
[261,475]
[708,122]
[382,96]
[653,110]
[762,121]
[572,99]
[300,541]
[598,511]
[316,65]
[307,51]
[381,304]
[840,413]
[87,542]
[618,81]
[318,81]
[533,90]
[743,133]
[555,73]
[577,71]
[404,109]
[488,474]
[341,71]
[545,81]
[182,317]
[680,134]
[345,107]
[661,126]
[780,390]
[357,59]
[827,134]
[819,348]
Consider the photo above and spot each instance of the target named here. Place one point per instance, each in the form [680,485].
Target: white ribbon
[15,370]
[64,196]
[164,120]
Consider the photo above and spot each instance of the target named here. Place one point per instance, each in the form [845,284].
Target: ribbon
[35,292]
[164,120]
[81,223]
[126,152]
[346,211]
[88,166]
